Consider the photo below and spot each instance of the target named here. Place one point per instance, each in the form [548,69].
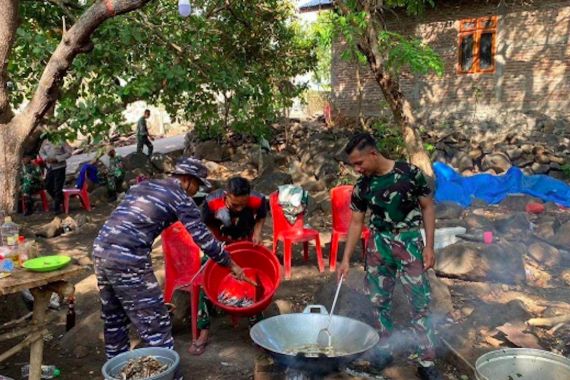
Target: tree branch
[75,41]
[9,16]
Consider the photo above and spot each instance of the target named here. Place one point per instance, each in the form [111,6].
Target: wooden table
[41,285]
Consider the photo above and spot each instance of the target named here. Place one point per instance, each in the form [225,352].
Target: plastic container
[10,233]
[522,363]
[113,367]
[488,237]
[445,236]
[48,372]
[6,265]
[259,264]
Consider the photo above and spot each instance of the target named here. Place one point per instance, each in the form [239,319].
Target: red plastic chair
[82,194]
[43,195]
[341,215]
[182,262]
[291,234]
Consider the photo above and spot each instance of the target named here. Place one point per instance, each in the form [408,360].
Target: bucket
[112,368]
[522,364]
[445,236]
[259,264]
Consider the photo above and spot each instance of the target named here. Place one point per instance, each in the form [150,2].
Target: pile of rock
[540,147]
[526,248]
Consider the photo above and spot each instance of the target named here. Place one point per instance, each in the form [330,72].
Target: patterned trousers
[394,257]
[131,295]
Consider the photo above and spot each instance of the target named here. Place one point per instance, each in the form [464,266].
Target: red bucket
[259,264]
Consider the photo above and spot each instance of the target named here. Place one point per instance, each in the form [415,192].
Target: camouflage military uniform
[128,287]
[142,137]
[396,249]
[31,181]
[115,176]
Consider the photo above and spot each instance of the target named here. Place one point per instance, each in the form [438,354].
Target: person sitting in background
[89,173]
[115,173]
[237,213]
[31,181]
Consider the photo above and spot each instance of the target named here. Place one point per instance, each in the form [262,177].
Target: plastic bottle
[70,317]
[10,233]
[48,371]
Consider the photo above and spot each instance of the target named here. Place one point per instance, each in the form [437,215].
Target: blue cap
[193,167]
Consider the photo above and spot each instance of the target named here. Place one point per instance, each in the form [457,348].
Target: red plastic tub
[259,264]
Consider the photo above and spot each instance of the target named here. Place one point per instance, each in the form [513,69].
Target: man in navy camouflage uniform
[127,285]
[398,197]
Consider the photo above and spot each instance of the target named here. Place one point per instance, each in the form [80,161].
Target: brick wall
[532,66]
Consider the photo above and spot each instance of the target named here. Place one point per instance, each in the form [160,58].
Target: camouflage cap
[193,167]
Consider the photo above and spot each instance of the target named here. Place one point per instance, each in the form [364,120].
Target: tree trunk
[404,118]
[389,85]
[359,95]
[10,158]
[398,103]
[15,129]
[8,25]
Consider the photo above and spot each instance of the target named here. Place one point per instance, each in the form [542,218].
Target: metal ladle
[324,339]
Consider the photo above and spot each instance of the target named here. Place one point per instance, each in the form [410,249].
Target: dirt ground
[230,353]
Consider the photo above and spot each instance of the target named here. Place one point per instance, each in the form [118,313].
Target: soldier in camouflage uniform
[30,181]
[115,173]
[399,199]
[127,285]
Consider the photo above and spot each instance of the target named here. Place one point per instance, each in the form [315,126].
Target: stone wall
[531,78]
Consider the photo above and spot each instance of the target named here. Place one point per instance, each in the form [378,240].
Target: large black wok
[283,335]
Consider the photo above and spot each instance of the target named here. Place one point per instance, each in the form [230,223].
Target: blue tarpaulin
[451,186]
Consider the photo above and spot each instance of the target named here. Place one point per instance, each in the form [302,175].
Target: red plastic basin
[259,264]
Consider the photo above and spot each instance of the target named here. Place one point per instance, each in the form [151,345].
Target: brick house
[502,59]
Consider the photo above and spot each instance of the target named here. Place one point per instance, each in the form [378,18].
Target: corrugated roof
[315,4]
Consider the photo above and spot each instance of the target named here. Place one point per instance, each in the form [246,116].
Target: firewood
[549,322]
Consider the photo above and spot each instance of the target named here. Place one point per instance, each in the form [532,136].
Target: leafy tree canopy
[241,53]
[400,52]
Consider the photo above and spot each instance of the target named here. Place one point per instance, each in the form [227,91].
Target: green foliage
[390,140]
[399,52]
[322,33]
[430,148]
[411,53]
[225,66]
[566,170]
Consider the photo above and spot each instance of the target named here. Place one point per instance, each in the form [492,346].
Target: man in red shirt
[237,213]
[234,214]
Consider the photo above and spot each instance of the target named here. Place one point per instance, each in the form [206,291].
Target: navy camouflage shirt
[148,208]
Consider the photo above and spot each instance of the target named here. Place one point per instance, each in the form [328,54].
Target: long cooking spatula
[324,339]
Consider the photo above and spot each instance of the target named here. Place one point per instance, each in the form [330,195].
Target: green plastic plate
[47,263]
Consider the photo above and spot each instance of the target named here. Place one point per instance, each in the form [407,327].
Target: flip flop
[197,349]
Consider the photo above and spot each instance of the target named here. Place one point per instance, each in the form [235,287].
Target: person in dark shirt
[128,288]
[143,137]
[234,214]
[237,213]
[399,200]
